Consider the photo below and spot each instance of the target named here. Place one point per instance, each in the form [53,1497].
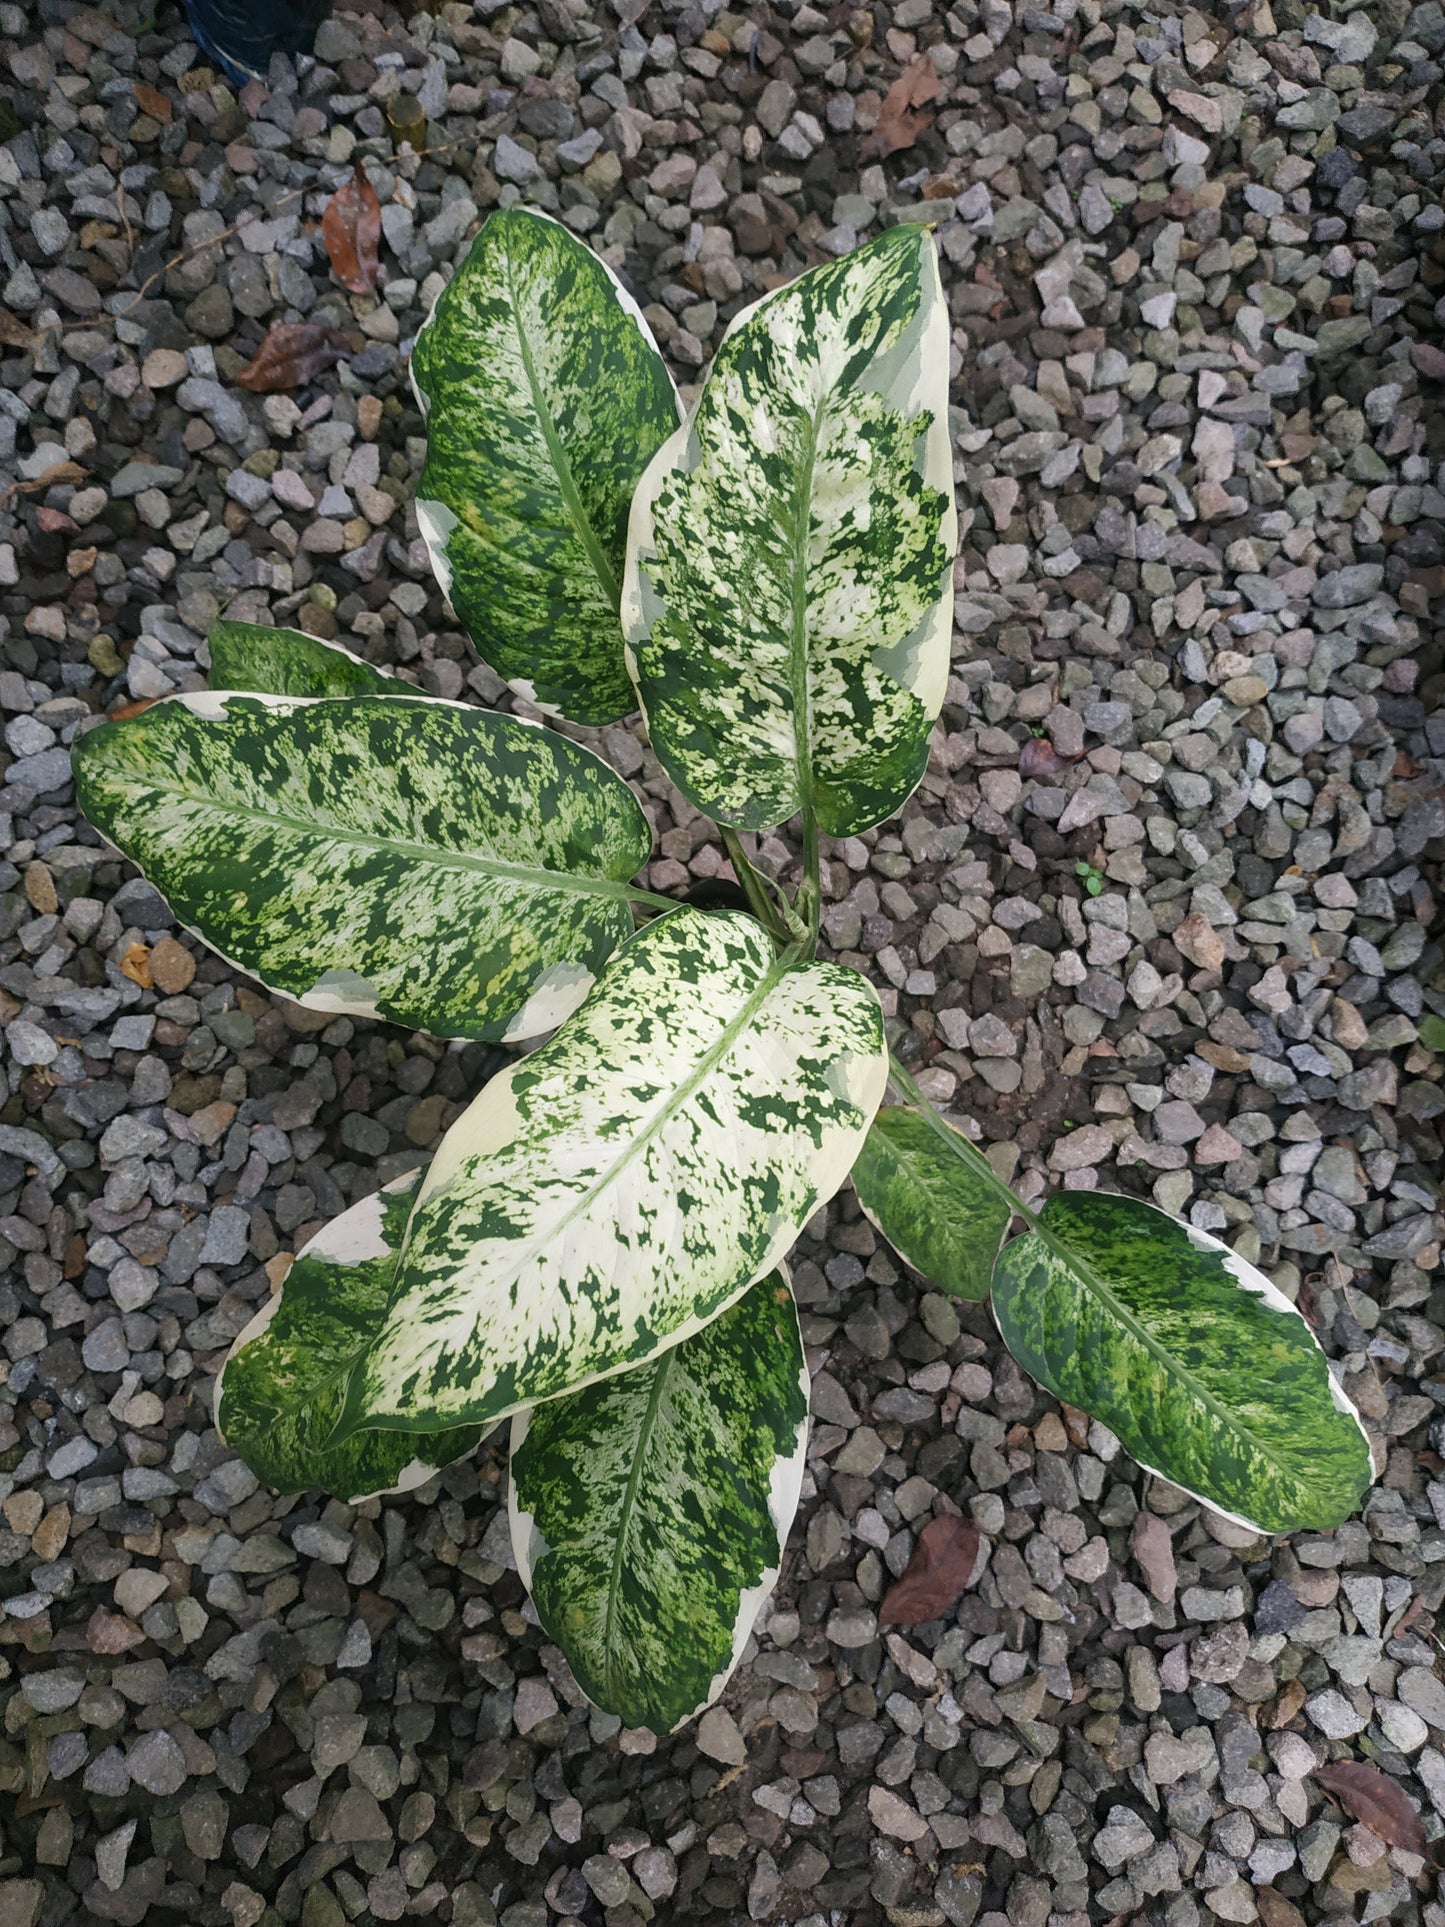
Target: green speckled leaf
[394,857]
[281,1387]
[1202,1368]
[545,398]
[788,602]
[915,1181]
[287,662]
[610,1194]
[650,1511]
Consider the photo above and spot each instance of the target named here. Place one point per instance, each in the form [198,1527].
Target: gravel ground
[1194,262]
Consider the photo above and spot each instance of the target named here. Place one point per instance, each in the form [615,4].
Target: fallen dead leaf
[901,120]
[293,353]
[126,710]
[944,1562]
[51,477]
[351,231]
[1038,757]
[136,964]
[1377,1800]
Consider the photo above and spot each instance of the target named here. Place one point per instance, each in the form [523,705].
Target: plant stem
[769,902]
[650,900]
[810,896]
[960,1145]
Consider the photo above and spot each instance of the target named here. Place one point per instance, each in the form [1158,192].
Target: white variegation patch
[554,996]
[436,522]
[211,704]
[343,991]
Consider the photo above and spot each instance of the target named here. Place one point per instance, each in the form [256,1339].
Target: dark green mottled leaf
[789,601]
[650,1511]
[280,1390]
[915,1180]
[287,662]
[1202,1368]
[614,1191]
[396,857]
[545,398]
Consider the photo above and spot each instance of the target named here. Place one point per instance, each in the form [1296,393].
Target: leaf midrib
[799,677]
[566,480]
[629,1501]
[568,881]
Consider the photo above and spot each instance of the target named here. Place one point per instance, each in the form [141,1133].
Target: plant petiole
[769,904]
[960,1145]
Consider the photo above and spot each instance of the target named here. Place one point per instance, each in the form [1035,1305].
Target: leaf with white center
[611,1193]
[788,602]
[393,857]
[1199,1365]
[917,1183]
[650,1511]
[254,657]
[545,399]
[280,1390]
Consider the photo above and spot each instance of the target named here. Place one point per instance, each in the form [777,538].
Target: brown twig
[125,222]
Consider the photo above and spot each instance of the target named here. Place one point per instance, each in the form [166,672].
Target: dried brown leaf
[13,331]
[1038,757]
[293,353]
[136,964]
[943,1563]
[351,230]
[900,121]
[50,478]
[1377,1800]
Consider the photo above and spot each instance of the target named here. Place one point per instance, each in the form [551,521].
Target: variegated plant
[596,1249]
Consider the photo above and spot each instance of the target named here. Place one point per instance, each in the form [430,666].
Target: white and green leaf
[545,398]
[611,1193]
[917,1182]
[1200,1366]
[650,1510]
[254,657]
[280,1389]
[395,857]
[788,602]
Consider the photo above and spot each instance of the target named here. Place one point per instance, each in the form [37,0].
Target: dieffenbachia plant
[596,1249]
